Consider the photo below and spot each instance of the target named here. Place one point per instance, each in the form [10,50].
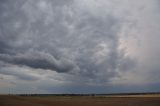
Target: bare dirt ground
[78,101]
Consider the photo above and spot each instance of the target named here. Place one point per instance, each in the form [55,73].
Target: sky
[79,46]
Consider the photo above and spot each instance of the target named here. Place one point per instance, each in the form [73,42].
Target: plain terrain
[146,100]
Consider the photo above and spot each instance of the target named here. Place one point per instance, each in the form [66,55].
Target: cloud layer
[82,41]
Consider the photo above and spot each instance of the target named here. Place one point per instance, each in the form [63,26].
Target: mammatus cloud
[82,41]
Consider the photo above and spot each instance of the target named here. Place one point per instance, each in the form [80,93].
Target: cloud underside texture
[55,35]
[72,37]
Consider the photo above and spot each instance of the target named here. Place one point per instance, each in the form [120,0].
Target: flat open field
[79,101]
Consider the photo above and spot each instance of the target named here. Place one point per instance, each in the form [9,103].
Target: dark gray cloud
[38,60]
[53,35]
[79,45]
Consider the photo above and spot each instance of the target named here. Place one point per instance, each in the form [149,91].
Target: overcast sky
[79,46]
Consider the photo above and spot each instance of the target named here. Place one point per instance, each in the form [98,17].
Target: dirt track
[78,101]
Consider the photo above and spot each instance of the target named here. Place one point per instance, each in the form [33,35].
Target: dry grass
[146,95]
[78,101]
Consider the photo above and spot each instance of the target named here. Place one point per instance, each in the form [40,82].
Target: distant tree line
[111,94]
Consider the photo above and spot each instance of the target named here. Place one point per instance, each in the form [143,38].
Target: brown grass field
[149,100]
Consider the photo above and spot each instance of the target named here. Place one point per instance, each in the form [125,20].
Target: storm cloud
[53,35]
[82,39]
